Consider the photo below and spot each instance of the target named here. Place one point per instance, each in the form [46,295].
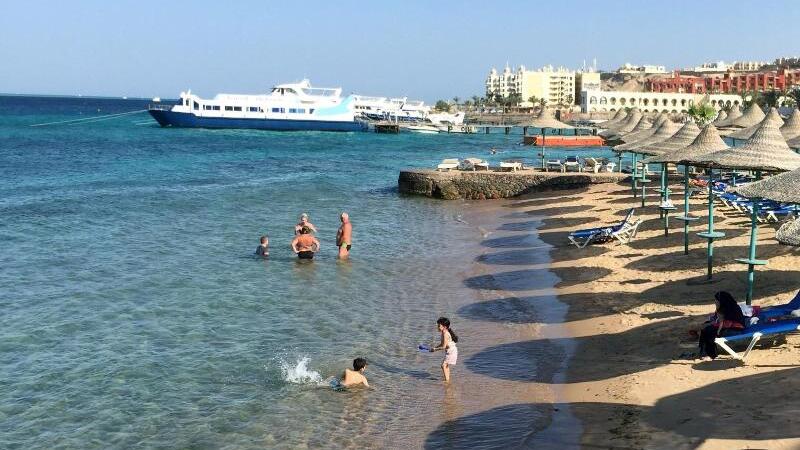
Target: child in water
[263,249]
[448,344]
[356,376]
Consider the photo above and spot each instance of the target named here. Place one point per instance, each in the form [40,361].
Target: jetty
[481,185]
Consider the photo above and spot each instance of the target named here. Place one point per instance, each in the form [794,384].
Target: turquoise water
[135,315]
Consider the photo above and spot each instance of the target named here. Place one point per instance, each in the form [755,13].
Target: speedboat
[288,107]
[425,129]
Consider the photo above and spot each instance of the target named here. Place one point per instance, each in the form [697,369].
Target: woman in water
[304,223]
[727,320]
[448,344]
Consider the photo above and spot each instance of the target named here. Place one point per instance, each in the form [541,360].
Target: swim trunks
[348,245]
[307,254]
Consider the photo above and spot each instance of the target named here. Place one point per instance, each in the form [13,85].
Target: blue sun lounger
[622,231]
[781,310]
[755,332]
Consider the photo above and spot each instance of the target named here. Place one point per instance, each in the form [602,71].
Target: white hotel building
[609,101]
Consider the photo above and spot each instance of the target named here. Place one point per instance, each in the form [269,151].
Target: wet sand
[629,309]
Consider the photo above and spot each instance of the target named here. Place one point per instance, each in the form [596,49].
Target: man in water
[304,244]
[304,223]
[263,249]
[344,237]
[355,376]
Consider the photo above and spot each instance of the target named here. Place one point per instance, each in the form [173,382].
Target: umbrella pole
[633,178]
[710,255]
[686,210]
[752,255]
[543,147]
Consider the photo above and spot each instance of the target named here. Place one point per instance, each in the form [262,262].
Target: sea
[136,315]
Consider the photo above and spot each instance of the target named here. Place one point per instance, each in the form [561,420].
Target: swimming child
[448,344]
[263,249]
[356,376]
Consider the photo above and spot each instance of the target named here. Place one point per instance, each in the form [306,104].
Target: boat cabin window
[206,107]
[311,111]
[278,110]
[229,108]
[186,102]
[254,109]
[216,107]
[237,108]
[196,105]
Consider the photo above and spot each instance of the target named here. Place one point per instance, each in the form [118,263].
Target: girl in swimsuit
[448,344]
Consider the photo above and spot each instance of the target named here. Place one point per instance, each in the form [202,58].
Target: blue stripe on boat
[188,120]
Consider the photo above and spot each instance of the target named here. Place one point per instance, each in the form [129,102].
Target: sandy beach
[621,320]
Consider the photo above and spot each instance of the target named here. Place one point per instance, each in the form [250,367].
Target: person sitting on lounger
[727,320]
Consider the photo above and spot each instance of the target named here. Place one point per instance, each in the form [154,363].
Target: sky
[421,49]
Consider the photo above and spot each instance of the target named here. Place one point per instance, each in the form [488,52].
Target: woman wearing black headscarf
[728,320]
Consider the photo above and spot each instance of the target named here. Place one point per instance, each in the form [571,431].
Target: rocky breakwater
[491,184]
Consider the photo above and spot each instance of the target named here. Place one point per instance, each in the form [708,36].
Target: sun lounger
[554,164]
[622,231]
[448,164]
[610,166]
[788,309]
[591,165]
[513,165]
[473,164]
[571,163]
[755,332]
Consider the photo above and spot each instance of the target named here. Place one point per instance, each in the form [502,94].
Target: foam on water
[299,372]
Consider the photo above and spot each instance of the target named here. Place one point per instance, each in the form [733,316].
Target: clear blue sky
[423,49]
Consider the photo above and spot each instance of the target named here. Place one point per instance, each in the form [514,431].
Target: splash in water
[299,373]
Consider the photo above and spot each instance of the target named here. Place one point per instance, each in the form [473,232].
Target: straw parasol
[794,142]
[618,117]
[721,115]
[789,233]
[677,149]
[707,142]
[766,151]
[645,146]
[732,115]
[750,117]
[638,135]
[633,118]
[791,129]
[781,188]
[645,125]
[772,117]
[547,120]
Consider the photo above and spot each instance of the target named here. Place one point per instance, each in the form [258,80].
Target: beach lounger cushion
[755,332]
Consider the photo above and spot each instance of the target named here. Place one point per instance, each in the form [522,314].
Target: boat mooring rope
[89,119]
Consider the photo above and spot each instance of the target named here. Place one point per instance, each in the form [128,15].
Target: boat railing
[160,106]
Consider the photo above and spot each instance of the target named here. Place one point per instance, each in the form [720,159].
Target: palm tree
[455,100]
[795,95]
[702,113]
[771,98]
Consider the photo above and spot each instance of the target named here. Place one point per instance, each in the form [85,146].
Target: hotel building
[556,85]
[729,82]
[606,101]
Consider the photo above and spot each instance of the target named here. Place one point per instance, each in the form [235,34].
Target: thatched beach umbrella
[765,151]
[794,143]
[734,113]
[751,116]
[773,117]
[644,147]
[707,142]
[618,117]
[684,137]
[721,115]
[547,120]
[633,118]
[791,128]
[789,233]
[780,188]
[645,131]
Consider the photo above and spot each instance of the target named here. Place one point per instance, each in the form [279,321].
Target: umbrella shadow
[696,259]
[516,241]
[570,223]
[544,201]
[517,426]
[558,211]
[518,361]
[528,279]
[528,225]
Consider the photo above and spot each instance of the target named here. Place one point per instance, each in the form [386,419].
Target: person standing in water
[344,237]
[448,344]
[304,223]
[304,244]
[263,249]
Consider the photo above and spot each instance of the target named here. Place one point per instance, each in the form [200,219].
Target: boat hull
[187,120]
[564,141]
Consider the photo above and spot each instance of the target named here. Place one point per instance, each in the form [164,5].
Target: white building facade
[608,101]
[555,85]
[646,69]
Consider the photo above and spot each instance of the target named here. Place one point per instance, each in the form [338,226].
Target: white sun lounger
[474,164]
[448,164]
[513,165]
[554,164]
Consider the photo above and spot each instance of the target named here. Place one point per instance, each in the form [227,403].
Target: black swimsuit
[306,254]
